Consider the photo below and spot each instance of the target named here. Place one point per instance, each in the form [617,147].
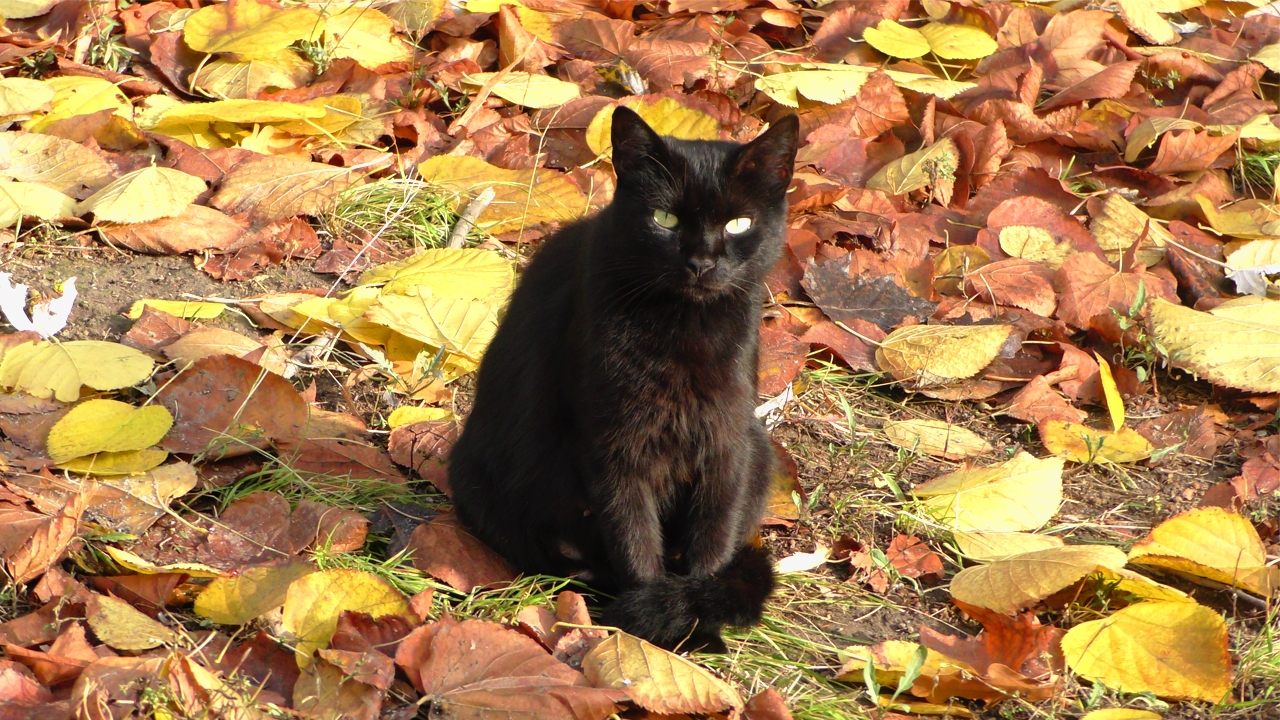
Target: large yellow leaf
[249,29]
[1227,351]
[1176,650]
[985,545]
[936,437]
[314,602]
[22,97]
[340,112]
[1210,542]
[522,197]
[242,79]
[120,625]
[126,462]
[51,161]
[463,327]
[938,355]
[1013,583]
[529,90]
[1251,308]
[79,95]
[657,680]
[347,315]
[143,195]
[922,168]
[107,425]
[665,115]
[244,112]
[19,9]
[825,86]
[896,40]
[1083,444]
[19,200]
[366,36]
[1142,17]
[252,592]
[958,42]
[43,369]
[464,273]
[1034,244]
[1019,494]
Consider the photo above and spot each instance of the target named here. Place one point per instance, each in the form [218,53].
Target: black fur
[613,434]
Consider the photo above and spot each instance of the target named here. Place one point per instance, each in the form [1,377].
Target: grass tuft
[400,211]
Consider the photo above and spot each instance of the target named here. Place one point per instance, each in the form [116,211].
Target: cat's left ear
[768,161]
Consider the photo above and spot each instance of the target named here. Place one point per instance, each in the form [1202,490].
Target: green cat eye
[737,226]
[665,219]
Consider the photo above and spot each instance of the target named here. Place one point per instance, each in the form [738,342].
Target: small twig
[467,219]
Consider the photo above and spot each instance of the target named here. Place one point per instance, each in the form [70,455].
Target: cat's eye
[737,226]
[665,219]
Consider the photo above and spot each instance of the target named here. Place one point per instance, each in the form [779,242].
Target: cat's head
[708,216]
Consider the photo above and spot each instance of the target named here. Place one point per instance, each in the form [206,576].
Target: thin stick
[467,219]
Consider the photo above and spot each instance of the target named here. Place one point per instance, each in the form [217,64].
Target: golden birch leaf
[19,200]
[1251,308]
[120,625]
[240,112]
[1210,542]
[408,415]
[22,97]
[22,9]
[896,40]
[252,592]
[919,169]
[988,545]
[521,197]
[102,425]
[958,42]
[825,86]
[340,112]
[463,327]
[1115,405]
[1084,444]
[1143,19]
[365,35]
[936,437]
[45,369]
[125,462]
[1020,494]
[314,602]
[242,79]
[1224,350]
[469,274]
[250,29]
[665,115]
[938,355]
[1020,581]
[1175,650]
[51,161]
[529,90]
[1120,224]
[79,95]
[143,195]
[657,680]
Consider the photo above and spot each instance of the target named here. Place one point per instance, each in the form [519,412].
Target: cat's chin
[706,291]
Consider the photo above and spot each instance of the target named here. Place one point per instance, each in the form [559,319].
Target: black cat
[613,434]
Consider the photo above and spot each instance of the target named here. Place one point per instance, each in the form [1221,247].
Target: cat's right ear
[636,147]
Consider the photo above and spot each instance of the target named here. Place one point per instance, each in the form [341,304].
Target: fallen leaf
[274,188]
[119,625]
[985,545]
[936,437]
[529,90]
[444,549]
[923,168]
[249,28]
[522,197]
[143,195]
[106,426]
[19,200]
[877,300]
[1210,542]
[314,602]
[938,355]
[59,370]
[1229,351]
[1083,444]
[1020,494]
[251,592]
[1019,581]
[657,680]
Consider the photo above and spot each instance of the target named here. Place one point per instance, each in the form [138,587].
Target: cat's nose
[701,266]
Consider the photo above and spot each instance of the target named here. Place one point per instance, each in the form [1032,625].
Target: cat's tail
[685,611]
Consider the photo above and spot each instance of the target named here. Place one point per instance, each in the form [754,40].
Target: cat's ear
[768,161]
[636,146]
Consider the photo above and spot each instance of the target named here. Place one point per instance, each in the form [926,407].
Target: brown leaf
[325,687]
[1087,286]
[1016,282]
[1189,150]
[878,107]
[361,632]
[1192,430]
[912,558]
[338,458]
[148,593]
[46,545]
[1037,402]
[444,549]
[19,686]
[768,704]
[229,407]
[275,188]
[876,300]
[991,146]
[856,352]
[781,357]
[1113,82]
[337,529]
[155,329]
[595,38]
[66,658]
[261,659]
[424,446]
[252,529]
[497,673]
[196,229]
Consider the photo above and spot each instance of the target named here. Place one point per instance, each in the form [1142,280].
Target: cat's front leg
[727,504]
[629,526]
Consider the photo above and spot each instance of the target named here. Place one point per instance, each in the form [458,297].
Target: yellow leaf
[79,95]
[1247,219]
[920,169]
[1115,405]
[1150,129]
[529,90]
[895,40]
[891,659]
[1227,351]
[19,200]
[132,503]
[119,625]
[665,115]
[274,188]
[985,545]
[1121,714]
[489,6]
[958,42]
[249,29]
[365,35]
[21,97]
[1013,583]
[1175,650]
[314,602]
[469,274]
[826,86]
[51,161]
[522,197]
[143,195]
[242,79]
[1019,494]
[408,415]
[130,561]
[1210,542]
[20,9]
[463,327]
[1251,308]
[251,593]
[242,112]
[1083,444]
[186,309]
[1132,586]
[1254,254]
[340,111]
[417,15]
[953,264]
[44,369]
[1119,224]
[347,315]
[936,437]
[1034,244]
[126,462]
[107,425]
[1144,20]
[938,355]
[1269,56]
[655,679]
